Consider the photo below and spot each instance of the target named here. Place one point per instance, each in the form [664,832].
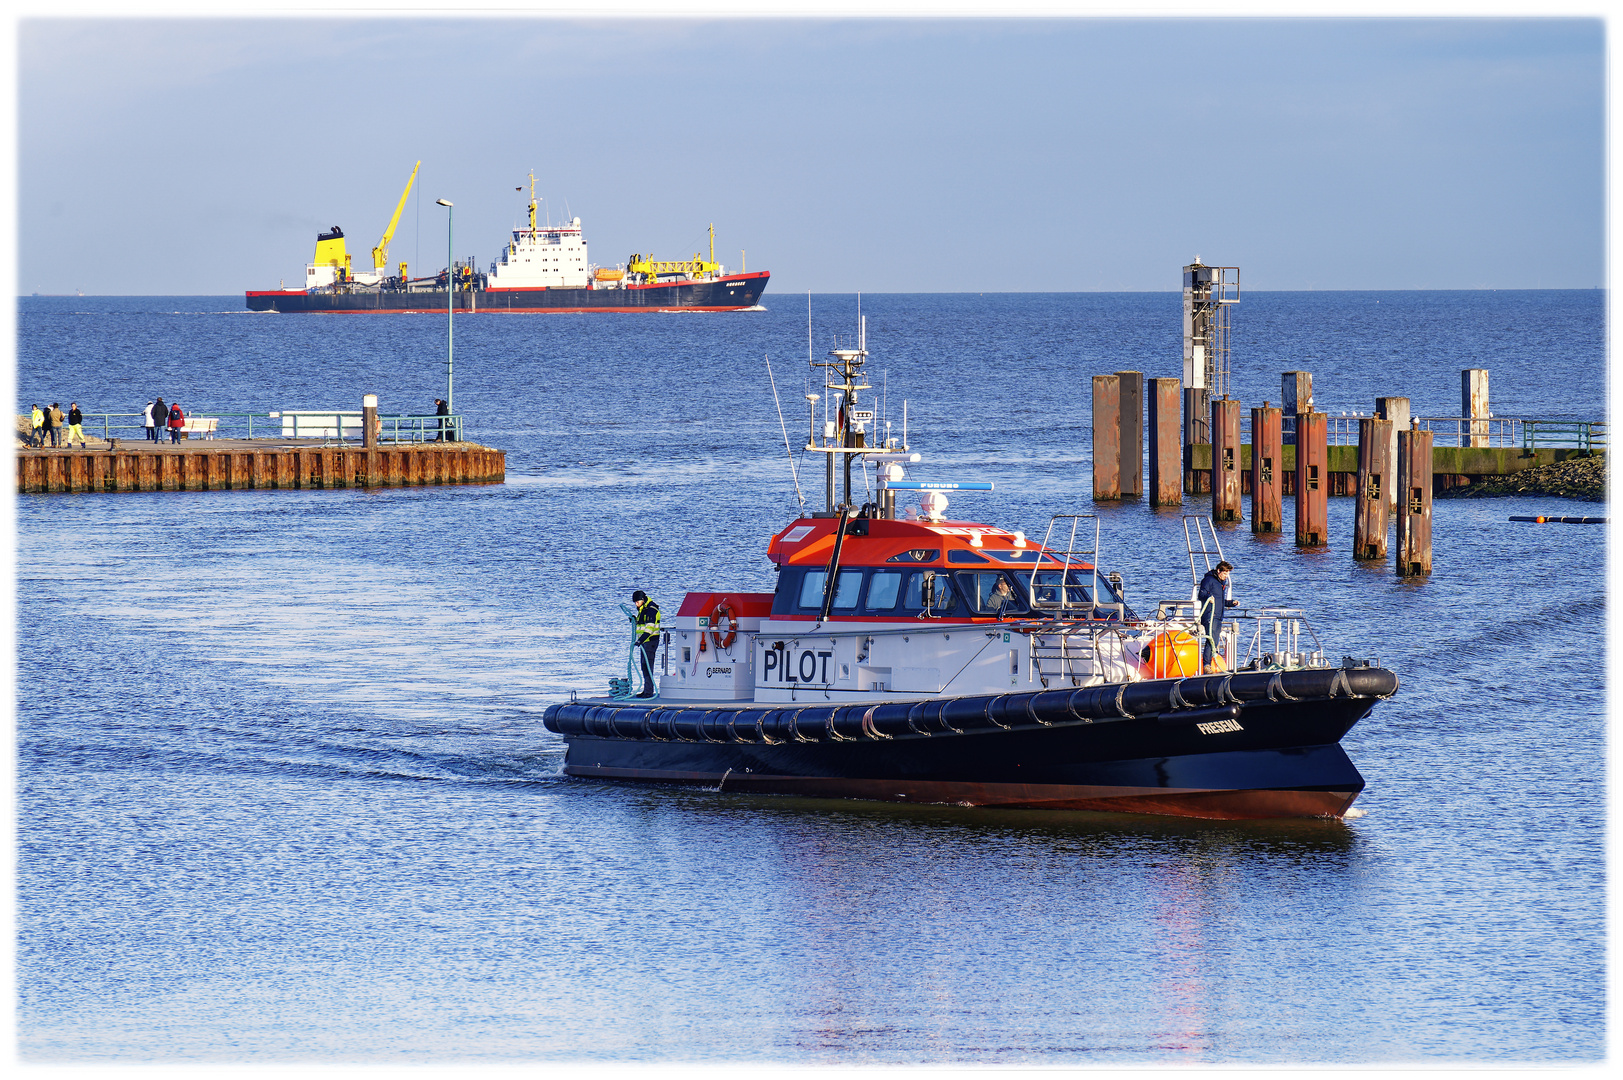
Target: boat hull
[732,293]
[1250,746]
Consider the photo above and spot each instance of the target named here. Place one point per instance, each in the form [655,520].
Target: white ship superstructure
[542,257]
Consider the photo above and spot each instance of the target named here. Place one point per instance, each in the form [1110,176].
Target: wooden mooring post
[1106,438]
[1312,488]
[1130,385]
[1225,459]
[1414,516]
[1166,449]
[1267,481]
[1374,466]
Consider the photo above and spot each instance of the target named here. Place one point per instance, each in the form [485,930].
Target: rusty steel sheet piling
[1166,448]
[1295,396]
[1196,424]
[1131,388]
[238,468]
[1267,481]
[1395,409]
[1225,429]
[1374,489]
[1312,480]
[1106,438]
[1414,516]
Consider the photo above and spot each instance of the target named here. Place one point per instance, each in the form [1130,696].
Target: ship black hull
[725,294]
[1248,746]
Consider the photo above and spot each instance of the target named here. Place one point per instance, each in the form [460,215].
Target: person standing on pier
[177,421]
[647,638]
[1214,600]
[36,436]
[147,416]
[76,421]
[53,424]
[160,420]
[443,409]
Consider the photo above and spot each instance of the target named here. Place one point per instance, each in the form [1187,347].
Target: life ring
[723,641]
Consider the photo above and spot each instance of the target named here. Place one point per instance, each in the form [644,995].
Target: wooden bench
[200,425]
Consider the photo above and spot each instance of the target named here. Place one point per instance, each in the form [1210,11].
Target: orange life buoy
[723,641]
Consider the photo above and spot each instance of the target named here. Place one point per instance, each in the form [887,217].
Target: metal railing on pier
[1463,431]
[1587,435]
[327,425]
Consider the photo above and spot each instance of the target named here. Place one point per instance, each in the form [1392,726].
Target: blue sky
[183,156]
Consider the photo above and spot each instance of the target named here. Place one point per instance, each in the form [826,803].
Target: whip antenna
[793,473]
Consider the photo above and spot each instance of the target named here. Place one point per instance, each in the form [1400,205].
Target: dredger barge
[919,659]
[543,267]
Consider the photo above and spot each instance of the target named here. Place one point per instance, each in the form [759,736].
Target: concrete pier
[232,465]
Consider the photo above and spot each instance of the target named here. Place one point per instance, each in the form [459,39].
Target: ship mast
[844,437]
[532,207]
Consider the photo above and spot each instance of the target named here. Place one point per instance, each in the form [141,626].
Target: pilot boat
[916,658]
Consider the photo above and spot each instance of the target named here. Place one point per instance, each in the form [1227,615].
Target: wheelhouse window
[1043,588]
[883,589]
[930,590]
[846,590]
[990,592]
[916,555]
[964,555]
[1030,556]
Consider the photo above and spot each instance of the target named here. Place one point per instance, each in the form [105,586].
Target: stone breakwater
[1576,478]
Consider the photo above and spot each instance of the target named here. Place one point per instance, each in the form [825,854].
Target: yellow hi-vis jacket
[647,620]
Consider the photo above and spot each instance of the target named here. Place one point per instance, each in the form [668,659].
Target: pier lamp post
[450,297]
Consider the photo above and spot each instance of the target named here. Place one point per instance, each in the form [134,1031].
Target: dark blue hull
[1254,745]
[731,293]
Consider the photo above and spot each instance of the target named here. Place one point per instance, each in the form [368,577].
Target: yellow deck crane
[380,254]
[695,267]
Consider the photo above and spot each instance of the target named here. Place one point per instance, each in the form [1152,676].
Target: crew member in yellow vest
[647,638]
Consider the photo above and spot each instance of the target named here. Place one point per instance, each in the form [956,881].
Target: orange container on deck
[1172,656]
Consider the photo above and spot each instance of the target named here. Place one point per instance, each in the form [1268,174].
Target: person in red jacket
[177,420]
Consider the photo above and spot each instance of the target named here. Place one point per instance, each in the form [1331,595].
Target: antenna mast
[849,436]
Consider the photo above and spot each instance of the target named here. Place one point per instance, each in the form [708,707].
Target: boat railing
[1108,647]
[1278,639]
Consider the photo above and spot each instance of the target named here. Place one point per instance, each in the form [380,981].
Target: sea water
[283,792]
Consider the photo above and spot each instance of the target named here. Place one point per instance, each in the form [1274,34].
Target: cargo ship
[919,658]
[542,267]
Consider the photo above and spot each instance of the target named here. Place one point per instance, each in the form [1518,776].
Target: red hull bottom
[1172,802]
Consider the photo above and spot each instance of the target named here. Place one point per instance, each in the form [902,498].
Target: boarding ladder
[1205,551]
[1067,654]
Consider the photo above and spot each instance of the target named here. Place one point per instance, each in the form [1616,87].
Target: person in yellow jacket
[647,638]
[38,436]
